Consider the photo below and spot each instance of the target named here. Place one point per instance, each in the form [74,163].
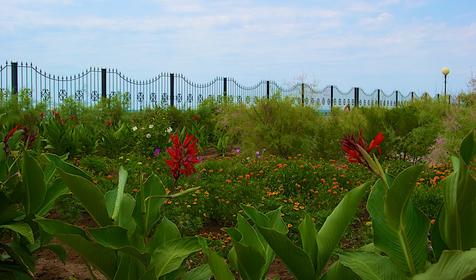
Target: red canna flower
[356,149]
[28,137]
[183,156]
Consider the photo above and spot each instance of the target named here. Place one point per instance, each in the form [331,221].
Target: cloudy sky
[388,44]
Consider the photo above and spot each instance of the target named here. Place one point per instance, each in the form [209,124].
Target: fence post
[396,98]
[449,99]
[332,97]
[267,90]
[171,89]
[413,96]
[14,77]
[378,97]
[356,97]
[437,97]
[103,83]
[225,88]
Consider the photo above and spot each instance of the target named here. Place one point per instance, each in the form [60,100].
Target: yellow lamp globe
[445,70]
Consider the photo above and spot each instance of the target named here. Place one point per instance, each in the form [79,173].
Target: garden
[271,190]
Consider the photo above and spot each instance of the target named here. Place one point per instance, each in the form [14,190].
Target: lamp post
[445,71]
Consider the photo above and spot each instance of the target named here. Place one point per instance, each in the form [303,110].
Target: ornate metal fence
[169,89]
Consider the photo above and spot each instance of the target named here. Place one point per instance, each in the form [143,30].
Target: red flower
[28,137]
[351,145]
[183,156]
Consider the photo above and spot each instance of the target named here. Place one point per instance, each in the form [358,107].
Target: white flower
[168,130]
[148,135]
[151,126]
[139,163]
[134,128]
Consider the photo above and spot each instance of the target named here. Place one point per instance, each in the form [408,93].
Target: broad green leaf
[251,262]
[453,265]
[257,217]
[55,227]
[113,237]
[116,238]
[129,268]
[57,189]
[218,266]
[468,148]
[371,266]
[165,232]
[406,245]
[294,257]
[457,227]
[125,217]
[171,257]
[334,227]
[276,220]
[23,229]
[249,236]
[90,197]
[35,188]
[308,233]
[67,167]
[103,259]
[120,193]
[21,255]
[148,203]
[202,272]
[339,272]
[8,209]
[437,243]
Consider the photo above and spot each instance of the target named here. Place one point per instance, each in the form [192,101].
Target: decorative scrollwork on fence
[179,98]
[45,95]
[78,95]
[140,97]
[153,97]
[190,98]
[62,94]
[200,98]
[94,95]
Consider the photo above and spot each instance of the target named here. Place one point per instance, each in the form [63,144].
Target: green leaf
[8,209]
[21,255]
[55,227]
[251,262]
[120,192]
[90,197]
[308,233]
[23,229]
[113,237]
[165,232]
[33,180]
[457,227]
[453,265]
[202,272]
[468,148]
[104,259]
[402,235]
[371,266]
[125,217]
[334,227]
[57,189]
[338,272]
[67,167]
[218,265]
[148,203]
[170,258]
[129,268]
[294,257]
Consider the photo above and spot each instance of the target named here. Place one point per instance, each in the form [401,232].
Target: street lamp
[445,71]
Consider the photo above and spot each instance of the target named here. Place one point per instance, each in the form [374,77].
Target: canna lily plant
[132,239]
[400,247]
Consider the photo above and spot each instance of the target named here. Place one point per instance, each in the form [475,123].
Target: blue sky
[388,44]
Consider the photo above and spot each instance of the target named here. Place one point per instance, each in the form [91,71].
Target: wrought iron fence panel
[169,89]
[238,93]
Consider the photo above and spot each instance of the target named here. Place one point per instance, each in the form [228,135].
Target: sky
[388,44]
